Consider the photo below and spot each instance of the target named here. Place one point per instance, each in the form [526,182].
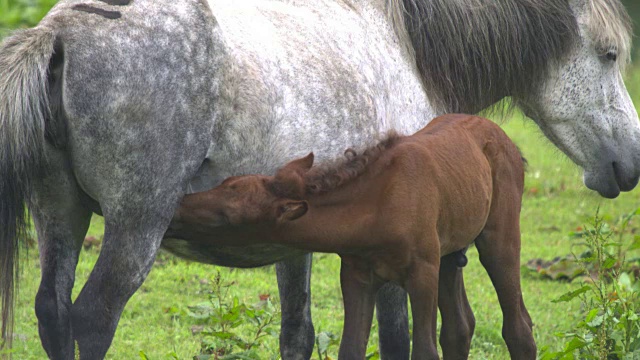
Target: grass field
[555,204]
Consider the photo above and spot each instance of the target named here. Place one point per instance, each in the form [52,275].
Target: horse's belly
[290,86]
[231,256]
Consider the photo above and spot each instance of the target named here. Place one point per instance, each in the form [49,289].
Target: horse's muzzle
[612,178]
[626,176]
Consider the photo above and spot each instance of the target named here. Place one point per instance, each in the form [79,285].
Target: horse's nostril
[616,168]
[626,181]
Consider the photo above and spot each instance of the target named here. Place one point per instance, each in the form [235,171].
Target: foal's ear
[289,180]
[301,165]
[289,210]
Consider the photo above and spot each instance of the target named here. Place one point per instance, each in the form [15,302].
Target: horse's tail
[24,109]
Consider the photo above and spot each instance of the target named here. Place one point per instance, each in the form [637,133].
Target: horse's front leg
[296,334]
[359,288]
[458,321]
[61,222]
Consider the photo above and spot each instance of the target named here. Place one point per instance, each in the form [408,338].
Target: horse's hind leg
[138,195]
[458,321]
[393,322]
[296,334]
[61,222]
[499,249]
[132,237]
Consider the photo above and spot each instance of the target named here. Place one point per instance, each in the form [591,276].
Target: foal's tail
[24,108]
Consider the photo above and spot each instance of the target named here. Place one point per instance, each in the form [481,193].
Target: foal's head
[250,199]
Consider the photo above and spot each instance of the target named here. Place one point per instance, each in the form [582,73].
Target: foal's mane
[333,174]
[471,52]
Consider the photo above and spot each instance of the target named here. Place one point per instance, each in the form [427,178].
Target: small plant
[326,340]
[373,353]
[231,329]
[143,356]
[610,298]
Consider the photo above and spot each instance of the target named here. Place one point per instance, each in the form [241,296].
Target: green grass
[555,203]
[22,13]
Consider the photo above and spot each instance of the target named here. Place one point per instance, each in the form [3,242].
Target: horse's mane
[333,174]
[471,52]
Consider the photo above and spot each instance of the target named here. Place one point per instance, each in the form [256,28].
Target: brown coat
[391,213]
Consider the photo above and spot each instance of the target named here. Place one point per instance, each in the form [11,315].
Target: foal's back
[460,162]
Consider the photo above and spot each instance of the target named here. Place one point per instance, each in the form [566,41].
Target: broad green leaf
[625,281]
[609,263]
[591,315]
[324,340]
[250,313]
[572,294]
[574,344]
[597,321]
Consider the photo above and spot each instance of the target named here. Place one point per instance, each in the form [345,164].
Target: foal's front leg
[359,289]
[422,286]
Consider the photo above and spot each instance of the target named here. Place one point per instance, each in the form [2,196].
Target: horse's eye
[612,55]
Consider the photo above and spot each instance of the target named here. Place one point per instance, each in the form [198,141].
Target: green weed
[609,327]
[220,319]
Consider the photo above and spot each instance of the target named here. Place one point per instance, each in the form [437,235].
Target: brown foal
[391,213]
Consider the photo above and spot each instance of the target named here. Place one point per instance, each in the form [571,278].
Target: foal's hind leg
[499,249]
[61,222]
[296,335]
[458,321]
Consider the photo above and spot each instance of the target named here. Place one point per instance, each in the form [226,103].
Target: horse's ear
[301,165]
[289,210]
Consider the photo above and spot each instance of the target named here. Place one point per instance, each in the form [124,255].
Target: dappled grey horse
[119,107]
